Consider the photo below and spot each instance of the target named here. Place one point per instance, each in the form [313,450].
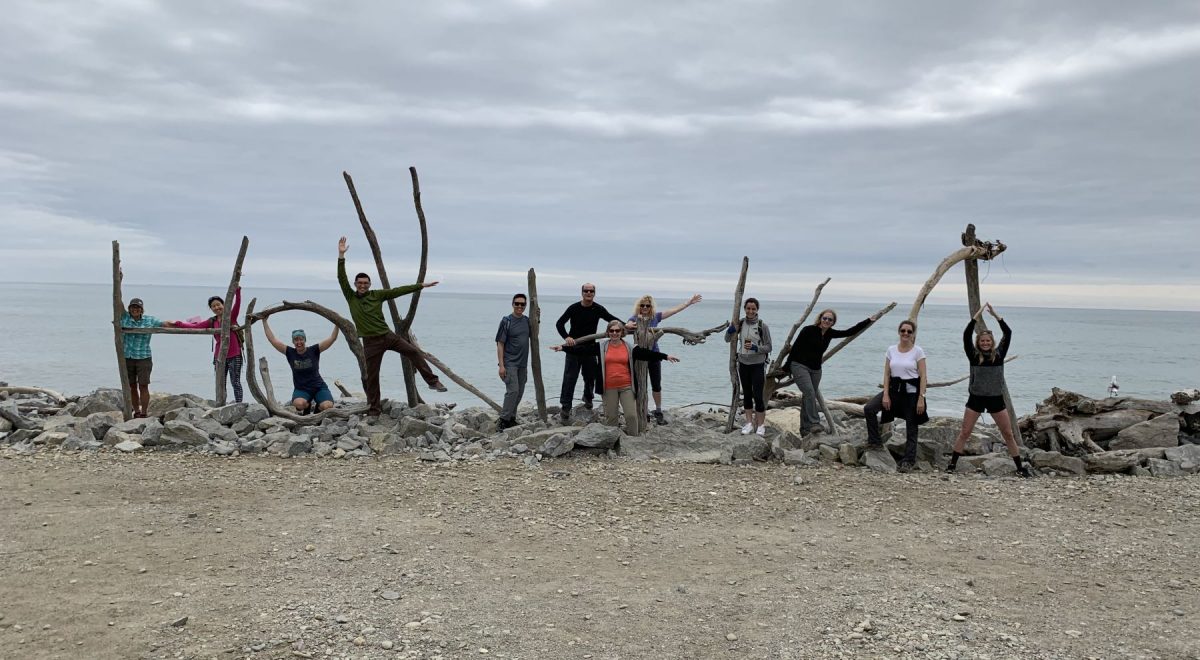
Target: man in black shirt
[584,316]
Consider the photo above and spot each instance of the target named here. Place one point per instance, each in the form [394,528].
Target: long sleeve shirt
[235,346]
[811,343]
[367,309]
[987,374]
[583,322]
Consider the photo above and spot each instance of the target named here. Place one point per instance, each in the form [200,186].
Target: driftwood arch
[253,368]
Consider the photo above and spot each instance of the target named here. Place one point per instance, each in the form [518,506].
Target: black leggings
[752,377]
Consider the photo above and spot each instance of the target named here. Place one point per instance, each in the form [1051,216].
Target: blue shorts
[322,395]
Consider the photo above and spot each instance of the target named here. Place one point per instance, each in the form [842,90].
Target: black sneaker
[587,405]
[905,467]
[565,417]
[951,468]
[1024,472]
[659,419]
[873,446]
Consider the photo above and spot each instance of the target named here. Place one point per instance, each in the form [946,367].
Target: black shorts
[138,370]
[982,404]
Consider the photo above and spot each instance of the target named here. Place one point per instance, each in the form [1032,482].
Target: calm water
[60,336]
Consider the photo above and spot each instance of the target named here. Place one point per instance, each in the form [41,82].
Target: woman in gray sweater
[753,339]
[986,391]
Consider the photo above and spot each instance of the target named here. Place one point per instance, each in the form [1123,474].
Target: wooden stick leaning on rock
[223,344]
[118,336]
[268,401]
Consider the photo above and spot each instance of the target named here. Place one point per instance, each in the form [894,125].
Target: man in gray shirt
[512,357]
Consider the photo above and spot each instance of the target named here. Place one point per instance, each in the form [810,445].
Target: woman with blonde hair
[986,389]
[804,362]
[645,307]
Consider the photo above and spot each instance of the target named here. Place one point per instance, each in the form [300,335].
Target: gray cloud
[653,143]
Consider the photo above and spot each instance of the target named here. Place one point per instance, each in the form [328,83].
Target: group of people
[608,366]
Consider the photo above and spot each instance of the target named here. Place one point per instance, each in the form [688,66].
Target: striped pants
[233,369]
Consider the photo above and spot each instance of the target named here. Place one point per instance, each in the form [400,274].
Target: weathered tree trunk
[979,250]
[20,389]
[643,337]
[971,270]
[410,379]
[535,353]
[223,343]
[118,312]
[738,292]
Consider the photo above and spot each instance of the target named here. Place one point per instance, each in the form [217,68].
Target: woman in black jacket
[804,361]
[986,391]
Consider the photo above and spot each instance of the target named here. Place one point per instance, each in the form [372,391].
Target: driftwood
[20,389]
[223,344]
[786,347]
[410,382]
[842,344]
[404,326]
[179,331]
[738,292]
[10,412]
[267,398]
[978,250]
[1074,424]
[534,311]
[337,382]
[118,312]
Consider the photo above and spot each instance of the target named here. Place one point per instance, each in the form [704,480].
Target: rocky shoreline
[1068,435]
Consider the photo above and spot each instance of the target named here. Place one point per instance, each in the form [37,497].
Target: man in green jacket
[366,308]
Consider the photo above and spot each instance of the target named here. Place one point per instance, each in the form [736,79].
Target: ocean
[60,337]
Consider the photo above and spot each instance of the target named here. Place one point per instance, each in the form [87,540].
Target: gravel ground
[103,555]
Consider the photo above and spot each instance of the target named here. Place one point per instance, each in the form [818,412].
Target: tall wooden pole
[118,312]
[223,344]
[971,268]
[644,337]
[738,292]
[535,355]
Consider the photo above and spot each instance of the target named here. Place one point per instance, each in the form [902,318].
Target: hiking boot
[437,386]
[587,404]
[565,417]
[659,419]
[905,467]
[951,468]
[1024,472]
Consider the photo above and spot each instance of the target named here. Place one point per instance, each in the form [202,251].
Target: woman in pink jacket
[233,358]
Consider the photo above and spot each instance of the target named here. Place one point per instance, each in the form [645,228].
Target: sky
[646,147]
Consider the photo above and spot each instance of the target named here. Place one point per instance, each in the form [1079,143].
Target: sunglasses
[827,318]
[614,330]
[518,304]
[589,291]
[645,305]
[906,332]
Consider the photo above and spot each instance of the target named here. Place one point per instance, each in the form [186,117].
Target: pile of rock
[438,433]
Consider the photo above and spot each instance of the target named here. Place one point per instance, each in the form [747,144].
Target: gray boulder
[413,426]
[1053,460]
[51,438]
[678,442]
[127,446]
[827,453]
[538,438]
[97,424]
[79,443]
[1164,468]
[222,447]
[784,442]
[797,457]
[252,445]
[183,414]
[879,460]
[102,400]
[292,445]
[159,406]
[751,447]
[256,413]
[115,437]
[557,445]
[598,436]
[135,425]
[847,454]
[1161,431]
[999,467]
[1112,461]
[227,415]
[152,433]
[182,433]
[1187,456]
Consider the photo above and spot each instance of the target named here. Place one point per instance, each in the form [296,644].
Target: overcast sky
[645,146]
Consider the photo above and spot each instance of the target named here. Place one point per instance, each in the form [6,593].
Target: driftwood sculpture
[267,397]
[738,292]
[222,332]
[403,326]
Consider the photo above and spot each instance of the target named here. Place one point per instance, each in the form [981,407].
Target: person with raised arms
[309,391]
[644,307]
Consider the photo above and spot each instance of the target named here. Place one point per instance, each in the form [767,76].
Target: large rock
[786,420]
[847,454]
[127,446]
[256,413]
[80,442]
[827,453]
[879,460]
[678,442]
[222,448]
[182,433]
[557,445]
[115,437]
[751,447]
[999,467]
[293,445]
[1161,431]
[152,433]
[102,400]
[537,438]
[1187,456]
[227,415]
[1164,468]
[51,438]
[97,424]
[598,436]
[1053,460]
[797,457]
[413,426]
[1113,461]
[159,406]
[784,442]
[135,425]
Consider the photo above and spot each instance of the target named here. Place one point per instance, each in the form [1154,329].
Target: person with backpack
[753,342]
[233,357]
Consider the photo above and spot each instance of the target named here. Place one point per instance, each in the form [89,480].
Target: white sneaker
[762,430]
[748,428]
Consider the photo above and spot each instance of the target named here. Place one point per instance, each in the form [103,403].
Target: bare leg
[133,398]
[657,400]
[760,419]
[300,403]
[1005,425]
[748,415]
[968,425]
[325,405]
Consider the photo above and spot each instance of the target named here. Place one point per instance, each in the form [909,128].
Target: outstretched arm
[682,306]
[324,345]
[387,294]
[343,281]
[279,346]
[1002,348]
